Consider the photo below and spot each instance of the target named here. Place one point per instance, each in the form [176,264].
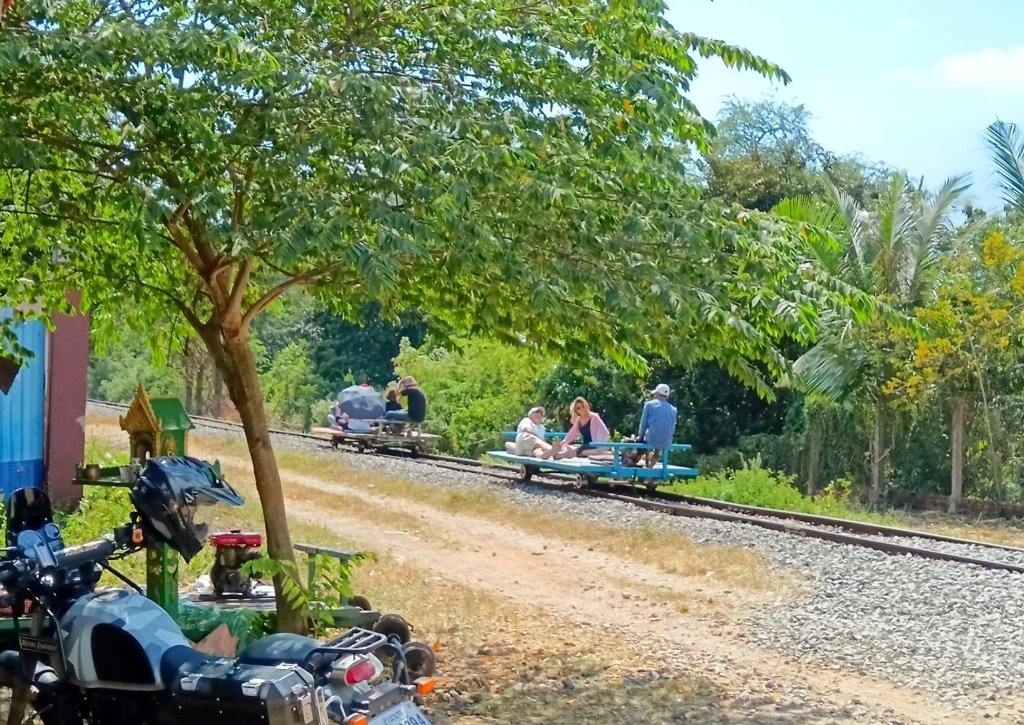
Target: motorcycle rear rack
[355,641]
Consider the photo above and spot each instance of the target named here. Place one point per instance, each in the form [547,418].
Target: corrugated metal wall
[22,414]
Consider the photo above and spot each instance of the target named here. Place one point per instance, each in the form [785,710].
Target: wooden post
[957,488]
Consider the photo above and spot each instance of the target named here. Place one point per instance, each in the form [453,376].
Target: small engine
[234,549]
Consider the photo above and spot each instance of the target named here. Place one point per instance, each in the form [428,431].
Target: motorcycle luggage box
[228,693]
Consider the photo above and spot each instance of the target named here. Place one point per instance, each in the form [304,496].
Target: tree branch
[57,217]
[240,284]
[178,238]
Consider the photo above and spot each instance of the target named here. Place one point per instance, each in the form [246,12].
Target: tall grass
[754,485]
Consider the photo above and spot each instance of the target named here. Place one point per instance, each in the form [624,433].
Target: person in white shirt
[530,434]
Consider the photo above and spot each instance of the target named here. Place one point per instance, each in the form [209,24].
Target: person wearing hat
[530,434]
[416,405]
[657,423]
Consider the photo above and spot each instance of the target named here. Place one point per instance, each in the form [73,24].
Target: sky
[912,83]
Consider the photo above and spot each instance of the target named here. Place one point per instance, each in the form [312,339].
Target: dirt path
[610,597]
[572,582]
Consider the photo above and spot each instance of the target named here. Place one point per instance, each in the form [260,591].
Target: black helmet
[170,491]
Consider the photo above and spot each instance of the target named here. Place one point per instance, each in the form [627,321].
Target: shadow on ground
[573,693]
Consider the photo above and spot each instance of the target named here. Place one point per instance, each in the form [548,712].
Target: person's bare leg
[567,452]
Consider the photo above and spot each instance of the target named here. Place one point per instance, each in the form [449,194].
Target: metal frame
[588,470]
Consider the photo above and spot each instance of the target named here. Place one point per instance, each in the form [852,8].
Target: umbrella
[361,402]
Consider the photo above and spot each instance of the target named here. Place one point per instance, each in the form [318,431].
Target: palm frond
[823,224]
[829,369]
[856,223]
[1006,143]
[934,224]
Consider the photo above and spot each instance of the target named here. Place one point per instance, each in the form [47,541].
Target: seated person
[657,424]
[416,406]
[335,418]
[587,425]
[392,401]
[530,434]
[340,420]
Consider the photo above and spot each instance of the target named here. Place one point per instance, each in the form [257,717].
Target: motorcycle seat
[176,658]
[283,648]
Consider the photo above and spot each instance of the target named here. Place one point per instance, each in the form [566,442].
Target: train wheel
[420,661]
[526,472]
[581,481]
[651,487]
[334,442]
[390,624]
[360,602]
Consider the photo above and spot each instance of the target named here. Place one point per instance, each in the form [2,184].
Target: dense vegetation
[514,170]
[878,405]
[280,194]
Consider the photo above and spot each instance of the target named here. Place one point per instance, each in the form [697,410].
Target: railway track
[890,540]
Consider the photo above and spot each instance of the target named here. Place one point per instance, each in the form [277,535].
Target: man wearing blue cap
[657,424]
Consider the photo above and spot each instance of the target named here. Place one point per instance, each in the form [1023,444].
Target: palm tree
[891,253]
[1006,143]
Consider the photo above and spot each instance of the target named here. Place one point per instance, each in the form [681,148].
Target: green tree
[892,253]
[115,374]
[510,168]
[362,352]
[291,386]
[476,390]
[763,152]
[969,357]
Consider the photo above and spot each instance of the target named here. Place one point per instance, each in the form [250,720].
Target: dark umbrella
[361,402]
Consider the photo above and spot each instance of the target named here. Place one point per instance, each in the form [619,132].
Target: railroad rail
[840,531]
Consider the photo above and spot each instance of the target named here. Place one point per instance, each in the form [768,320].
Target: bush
[751,485]
[291,386]
[475,392]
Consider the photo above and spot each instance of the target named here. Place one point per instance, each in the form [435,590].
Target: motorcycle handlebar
[72,557]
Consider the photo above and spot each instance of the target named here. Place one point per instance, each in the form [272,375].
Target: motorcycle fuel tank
[115,638]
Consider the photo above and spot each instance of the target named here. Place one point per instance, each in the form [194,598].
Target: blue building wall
[23,414]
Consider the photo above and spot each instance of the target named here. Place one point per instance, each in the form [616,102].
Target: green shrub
[475,392]
[755,485]
[751,485]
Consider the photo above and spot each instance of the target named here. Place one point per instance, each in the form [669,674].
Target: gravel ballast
[953,629]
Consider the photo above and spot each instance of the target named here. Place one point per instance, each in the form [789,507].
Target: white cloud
[991,69]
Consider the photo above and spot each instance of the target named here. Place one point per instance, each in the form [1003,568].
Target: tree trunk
[814,454]
[235,360]
[217,404]
[957,486]
[877,456]
[200,387]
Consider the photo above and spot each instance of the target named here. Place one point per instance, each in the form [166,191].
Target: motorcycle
[94,656]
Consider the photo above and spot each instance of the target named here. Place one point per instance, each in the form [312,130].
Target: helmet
[168,495]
